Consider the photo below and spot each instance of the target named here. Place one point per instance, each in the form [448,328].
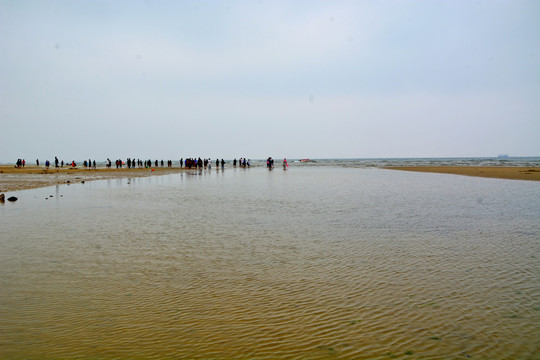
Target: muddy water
[309,263]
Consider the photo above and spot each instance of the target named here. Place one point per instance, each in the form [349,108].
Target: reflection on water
[310,263]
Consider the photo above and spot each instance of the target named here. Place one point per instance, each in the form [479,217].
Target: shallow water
[317,262]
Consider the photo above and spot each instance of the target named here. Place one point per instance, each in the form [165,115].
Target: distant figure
[56,162]
[37,162]
[222,164]
[285,165]
[217,163]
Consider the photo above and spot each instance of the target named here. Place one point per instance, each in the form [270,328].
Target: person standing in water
[285,165]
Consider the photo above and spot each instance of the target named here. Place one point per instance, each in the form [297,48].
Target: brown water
[312,263]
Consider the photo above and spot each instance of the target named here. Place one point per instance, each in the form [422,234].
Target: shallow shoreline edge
[16,179]
[33,177]
[496,172]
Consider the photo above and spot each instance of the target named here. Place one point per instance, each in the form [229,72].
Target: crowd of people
[190,163]
[242,162]
[57,164]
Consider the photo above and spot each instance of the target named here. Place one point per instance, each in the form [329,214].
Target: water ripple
[216,268]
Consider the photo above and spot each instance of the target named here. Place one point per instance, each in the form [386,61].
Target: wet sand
[31,177]
[512,173]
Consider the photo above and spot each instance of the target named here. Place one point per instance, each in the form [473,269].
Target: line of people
[137,163]
[58,163]
[130,163]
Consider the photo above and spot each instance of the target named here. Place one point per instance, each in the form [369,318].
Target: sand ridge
[31,177]
[499,172]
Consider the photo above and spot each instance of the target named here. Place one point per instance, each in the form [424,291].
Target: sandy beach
[31,177]
[500,172]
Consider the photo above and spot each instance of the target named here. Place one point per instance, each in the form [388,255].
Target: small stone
[13,198]
[2,197]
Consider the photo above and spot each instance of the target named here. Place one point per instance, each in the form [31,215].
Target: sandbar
[499,172]
[31,177]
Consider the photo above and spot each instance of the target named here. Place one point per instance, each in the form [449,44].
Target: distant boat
[305,160]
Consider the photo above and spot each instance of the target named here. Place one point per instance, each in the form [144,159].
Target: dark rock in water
[2,197]
[13,198]
[82,182]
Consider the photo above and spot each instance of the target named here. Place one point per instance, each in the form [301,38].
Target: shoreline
[33,177]
[494,172]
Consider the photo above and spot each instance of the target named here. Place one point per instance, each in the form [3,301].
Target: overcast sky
[318,79]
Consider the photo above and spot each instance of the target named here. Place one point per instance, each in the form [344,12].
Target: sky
[298,79]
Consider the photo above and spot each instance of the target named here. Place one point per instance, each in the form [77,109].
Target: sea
[328,259]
